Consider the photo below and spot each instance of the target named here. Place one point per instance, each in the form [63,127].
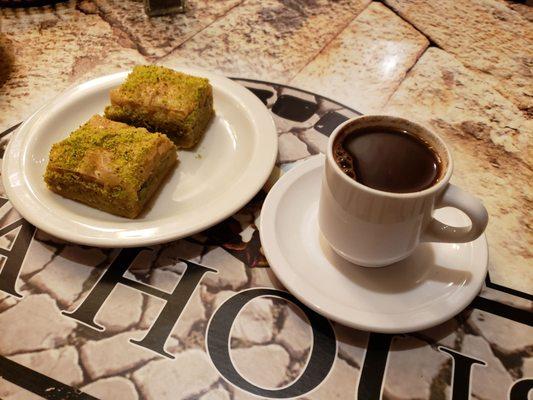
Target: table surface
[463,68]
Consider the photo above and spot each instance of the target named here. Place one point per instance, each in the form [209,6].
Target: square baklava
[163,100]
[110,166]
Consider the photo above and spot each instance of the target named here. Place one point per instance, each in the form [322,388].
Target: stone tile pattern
[156,37]
[47,53]
[269,39]
[269,332]
[491,141]
[485,35]
[365,63]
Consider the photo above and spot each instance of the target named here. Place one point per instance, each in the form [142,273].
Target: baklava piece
[110,166]
[163,100]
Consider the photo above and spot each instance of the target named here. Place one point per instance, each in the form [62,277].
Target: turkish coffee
[387,159]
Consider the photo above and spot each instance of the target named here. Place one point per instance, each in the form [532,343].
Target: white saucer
[434,284]
[210,183]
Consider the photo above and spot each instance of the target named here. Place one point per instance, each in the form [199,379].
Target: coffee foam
[343,159]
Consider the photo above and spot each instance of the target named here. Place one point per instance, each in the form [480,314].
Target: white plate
[211,182]
[434,284]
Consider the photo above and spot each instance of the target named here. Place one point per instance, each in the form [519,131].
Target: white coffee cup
[374,228]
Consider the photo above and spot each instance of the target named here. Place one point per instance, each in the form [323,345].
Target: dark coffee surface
[388,160]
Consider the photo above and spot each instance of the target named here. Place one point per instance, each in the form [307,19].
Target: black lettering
[37,383]
[461,366]
[175,302]
[88,309]
[521,389]
[9,130]
[15,256]
[506,289]
[320,360]
[503,310]
[373,370]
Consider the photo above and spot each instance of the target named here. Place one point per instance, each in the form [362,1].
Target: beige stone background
[462,67]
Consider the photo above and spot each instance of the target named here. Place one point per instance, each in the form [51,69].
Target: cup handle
[455,197]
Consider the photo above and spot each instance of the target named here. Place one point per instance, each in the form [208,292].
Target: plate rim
[288,277]
[20,197]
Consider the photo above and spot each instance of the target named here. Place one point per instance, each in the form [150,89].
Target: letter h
[156,337]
